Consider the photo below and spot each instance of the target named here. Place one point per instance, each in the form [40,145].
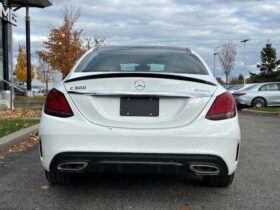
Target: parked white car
[37,90]
[140,109]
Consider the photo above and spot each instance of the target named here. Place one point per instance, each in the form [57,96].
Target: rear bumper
[202,138]
[138,163]
[242,101]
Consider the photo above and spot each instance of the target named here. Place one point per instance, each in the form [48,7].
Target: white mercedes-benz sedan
[125,109]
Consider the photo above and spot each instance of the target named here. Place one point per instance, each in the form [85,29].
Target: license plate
[139,106]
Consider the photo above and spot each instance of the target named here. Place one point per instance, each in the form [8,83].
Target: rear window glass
[250,87]
[236,87]
[142,60]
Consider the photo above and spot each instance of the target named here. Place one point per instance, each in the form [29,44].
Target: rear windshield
[236,87]
[139,60]
[250,87]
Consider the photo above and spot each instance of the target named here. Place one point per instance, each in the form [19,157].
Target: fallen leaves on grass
[45,187]
[19,113]
[2,157]
[26,125]
[24,145]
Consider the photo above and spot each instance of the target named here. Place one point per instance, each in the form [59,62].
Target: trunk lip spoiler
[187,94]
[147,75]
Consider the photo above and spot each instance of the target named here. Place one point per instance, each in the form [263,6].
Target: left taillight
[57,105]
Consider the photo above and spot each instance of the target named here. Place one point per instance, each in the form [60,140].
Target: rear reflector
[56,105]
[222,108]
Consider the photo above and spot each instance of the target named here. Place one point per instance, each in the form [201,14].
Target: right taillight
[222,108]
[57,105]
[239,94]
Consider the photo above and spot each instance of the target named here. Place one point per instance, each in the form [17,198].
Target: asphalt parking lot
[256,184]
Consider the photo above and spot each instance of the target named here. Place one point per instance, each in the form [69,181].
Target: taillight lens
[239,94]
[56,105]
[222,108]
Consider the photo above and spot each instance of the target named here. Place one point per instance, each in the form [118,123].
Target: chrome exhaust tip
[72,166]
[205,169]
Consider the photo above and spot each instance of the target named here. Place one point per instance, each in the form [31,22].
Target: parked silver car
[239,87]
[259,95]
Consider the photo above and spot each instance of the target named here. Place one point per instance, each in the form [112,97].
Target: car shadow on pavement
[133,180]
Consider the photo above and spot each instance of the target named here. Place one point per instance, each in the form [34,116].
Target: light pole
[244,61]
[28,53]
[214,64]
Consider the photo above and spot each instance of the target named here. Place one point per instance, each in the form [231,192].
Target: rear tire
[259,102]
[218,180]
[56,177]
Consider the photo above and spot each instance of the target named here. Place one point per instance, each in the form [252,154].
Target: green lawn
[36,108]
[32,99]
[10,126]
[267,109]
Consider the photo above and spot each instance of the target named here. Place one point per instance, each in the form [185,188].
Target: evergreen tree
[268,60]
[237,80]
[219,79]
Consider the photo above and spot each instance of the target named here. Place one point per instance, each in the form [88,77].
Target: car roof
[266,83]
[120,47]
[256,86]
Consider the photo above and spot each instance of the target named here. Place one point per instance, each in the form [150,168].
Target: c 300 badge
[78,87]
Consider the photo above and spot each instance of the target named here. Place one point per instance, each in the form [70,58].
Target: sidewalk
[16,137]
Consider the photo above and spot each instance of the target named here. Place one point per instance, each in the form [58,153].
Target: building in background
[8,20]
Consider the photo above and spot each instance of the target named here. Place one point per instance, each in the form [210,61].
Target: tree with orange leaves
[64,45]
[21,69]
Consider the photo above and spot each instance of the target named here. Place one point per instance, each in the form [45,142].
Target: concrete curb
[16,137]
[261,113]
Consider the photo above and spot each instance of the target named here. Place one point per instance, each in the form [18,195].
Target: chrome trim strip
[133,93]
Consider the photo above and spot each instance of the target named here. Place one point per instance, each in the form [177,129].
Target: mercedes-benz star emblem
[139,85]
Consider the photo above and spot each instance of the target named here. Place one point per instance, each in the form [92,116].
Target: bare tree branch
[227,55]
[96,42]
[71,15]
[45,73]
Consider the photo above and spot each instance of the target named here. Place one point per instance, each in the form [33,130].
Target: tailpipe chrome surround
[72,166]
[204,169]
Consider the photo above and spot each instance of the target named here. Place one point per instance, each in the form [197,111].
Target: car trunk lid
[135,100]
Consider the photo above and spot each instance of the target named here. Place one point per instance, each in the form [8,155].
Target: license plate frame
[139,106]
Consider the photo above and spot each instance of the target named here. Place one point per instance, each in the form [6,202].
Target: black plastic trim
[147,75]
[237,152]
[40,148]
[56,113]
[138,162]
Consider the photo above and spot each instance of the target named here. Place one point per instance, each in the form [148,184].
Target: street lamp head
[245,40]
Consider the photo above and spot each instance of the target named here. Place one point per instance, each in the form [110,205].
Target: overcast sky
[200,25]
